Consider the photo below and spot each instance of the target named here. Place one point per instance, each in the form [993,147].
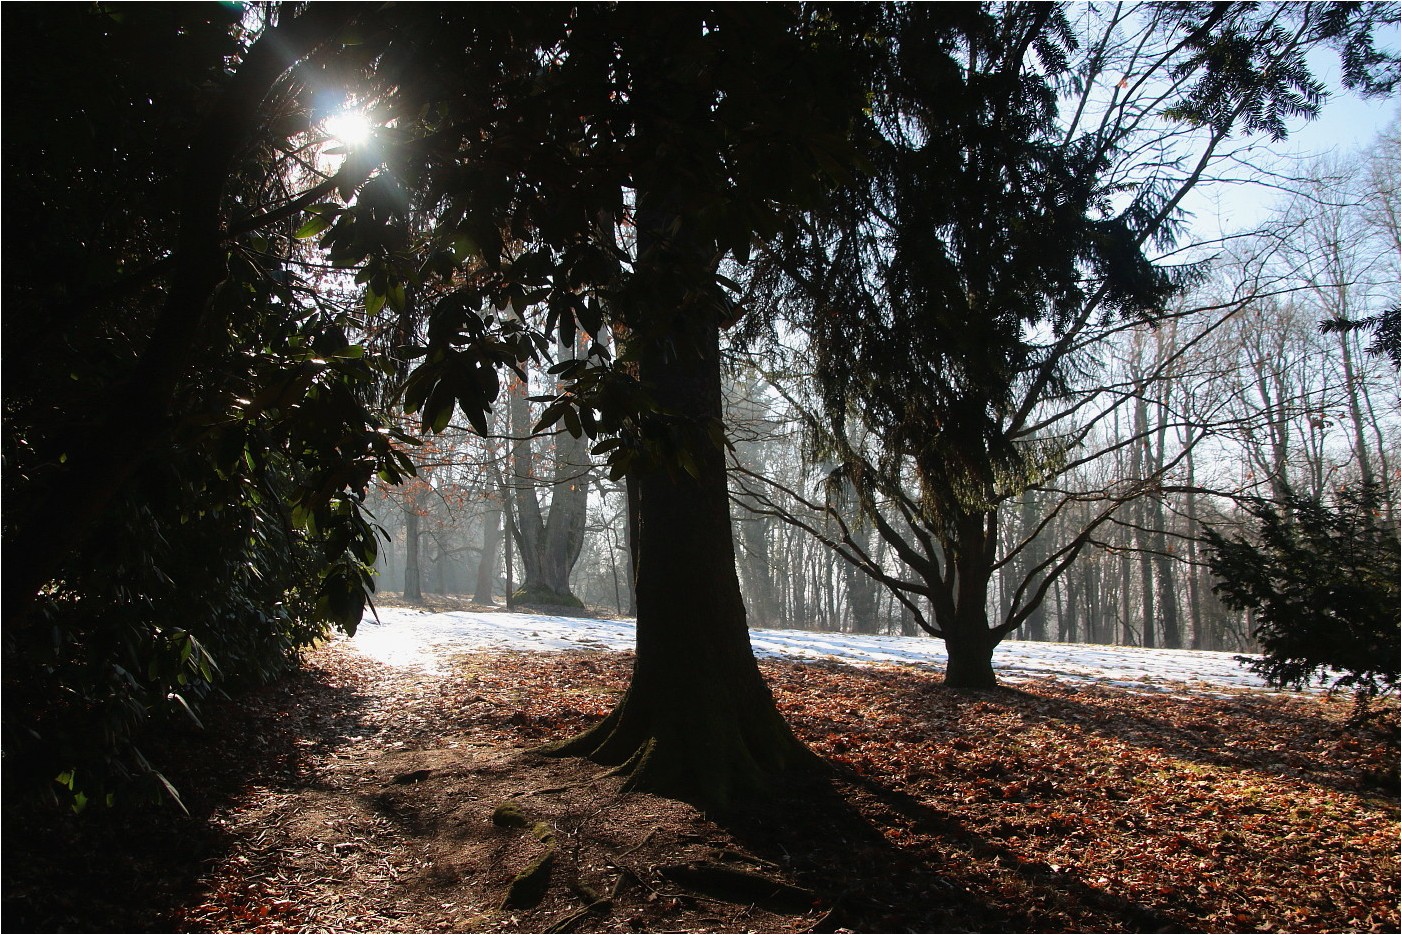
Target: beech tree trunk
[413,577]
[550,542]
[491,558]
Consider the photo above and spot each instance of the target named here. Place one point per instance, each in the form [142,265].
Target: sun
[349,127]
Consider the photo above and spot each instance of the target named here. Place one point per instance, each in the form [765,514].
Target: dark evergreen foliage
[1321,579]
[1386,328]
[930,287]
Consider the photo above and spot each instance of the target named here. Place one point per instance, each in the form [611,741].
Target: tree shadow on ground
[417,766]
[129,867]
[1241,733]
[832,834]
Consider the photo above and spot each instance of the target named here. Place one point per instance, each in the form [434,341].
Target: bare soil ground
[356,797]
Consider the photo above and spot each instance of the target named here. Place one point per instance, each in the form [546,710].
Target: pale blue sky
[1346,125]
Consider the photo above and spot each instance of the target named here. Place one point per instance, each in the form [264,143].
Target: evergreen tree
[948,294]
[1321,581]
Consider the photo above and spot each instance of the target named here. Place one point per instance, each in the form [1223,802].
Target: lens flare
[349,127]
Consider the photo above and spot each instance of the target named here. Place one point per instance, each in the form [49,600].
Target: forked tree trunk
[967,637]
[698,722]
[550,543]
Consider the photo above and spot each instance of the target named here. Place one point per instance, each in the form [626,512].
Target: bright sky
[1347,125]
[350,127]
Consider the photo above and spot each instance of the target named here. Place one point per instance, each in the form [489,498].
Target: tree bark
[413,577]
[1126,602]
[1190,520]
[1168,594]
[630,491]
[1351,382]
[759,577]
[698,722]
[491,557]
[971,666]
[967,637]
[1032,556]
[1096,631]
[510,563]
[1066,624]
[550,542]
[862,598]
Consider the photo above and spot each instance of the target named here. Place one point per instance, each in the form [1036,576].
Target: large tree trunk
[971,660]
[967,637]
[564,530]
[550,543]
[698,721]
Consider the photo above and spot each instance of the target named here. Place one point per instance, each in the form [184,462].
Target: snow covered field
[420,639]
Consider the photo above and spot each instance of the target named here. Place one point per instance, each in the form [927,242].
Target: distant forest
[1166,426]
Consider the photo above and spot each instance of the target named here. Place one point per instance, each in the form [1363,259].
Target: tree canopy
[188,432]
[949,297]
[518,150]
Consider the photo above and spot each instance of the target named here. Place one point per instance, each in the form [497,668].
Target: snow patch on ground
[423,640]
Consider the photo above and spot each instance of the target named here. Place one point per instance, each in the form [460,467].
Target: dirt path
[418,806]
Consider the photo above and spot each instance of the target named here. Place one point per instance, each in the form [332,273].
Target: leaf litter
[359,796]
